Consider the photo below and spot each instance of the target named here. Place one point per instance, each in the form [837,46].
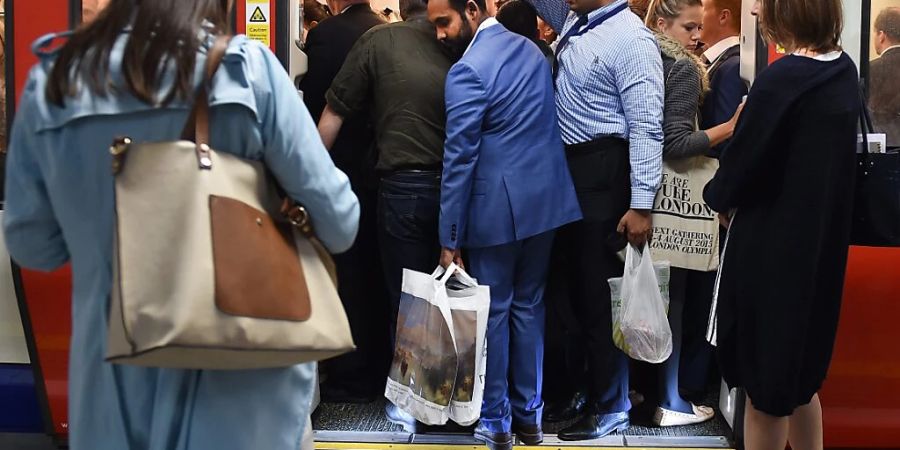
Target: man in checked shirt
[609,98]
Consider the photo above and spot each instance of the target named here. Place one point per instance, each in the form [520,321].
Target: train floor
[364,426]
[344,426]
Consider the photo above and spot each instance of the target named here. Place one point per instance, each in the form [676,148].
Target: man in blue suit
[505,189]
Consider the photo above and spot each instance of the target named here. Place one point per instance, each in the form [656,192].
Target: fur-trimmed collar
[673,49]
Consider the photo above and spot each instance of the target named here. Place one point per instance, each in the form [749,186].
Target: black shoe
[529,434]
[565,411]
[400,417]
[594,426]
[494,441]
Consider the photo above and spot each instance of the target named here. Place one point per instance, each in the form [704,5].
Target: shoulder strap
[197,127]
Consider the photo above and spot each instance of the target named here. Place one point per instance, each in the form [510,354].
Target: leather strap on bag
[197,127]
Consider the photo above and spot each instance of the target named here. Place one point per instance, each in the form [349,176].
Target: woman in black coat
[787,176]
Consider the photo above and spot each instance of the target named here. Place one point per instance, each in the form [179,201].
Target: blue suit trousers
[516,273]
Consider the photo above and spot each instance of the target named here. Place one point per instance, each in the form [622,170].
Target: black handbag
[876,211]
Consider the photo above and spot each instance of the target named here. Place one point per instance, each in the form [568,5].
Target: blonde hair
[667,10]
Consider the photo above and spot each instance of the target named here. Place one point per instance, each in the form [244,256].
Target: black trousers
[696,352]
[361,375]
[601,173]
[564,359]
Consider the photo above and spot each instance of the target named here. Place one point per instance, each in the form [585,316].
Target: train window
[90,9]
[884,65]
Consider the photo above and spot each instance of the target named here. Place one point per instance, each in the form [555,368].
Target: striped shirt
[610,83]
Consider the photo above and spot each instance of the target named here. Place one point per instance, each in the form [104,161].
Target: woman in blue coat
[133,72]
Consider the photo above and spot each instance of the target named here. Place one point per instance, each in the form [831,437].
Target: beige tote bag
[685,228]
[210,269]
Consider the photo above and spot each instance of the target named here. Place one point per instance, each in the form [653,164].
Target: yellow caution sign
[258,15]
[258,22]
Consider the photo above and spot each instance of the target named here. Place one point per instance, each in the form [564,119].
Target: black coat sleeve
[324,61]
[752,158]
[729,89]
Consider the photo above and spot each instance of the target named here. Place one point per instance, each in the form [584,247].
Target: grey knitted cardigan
[686,85]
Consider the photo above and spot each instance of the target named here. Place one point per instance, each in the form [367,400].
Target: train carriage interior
[861,397]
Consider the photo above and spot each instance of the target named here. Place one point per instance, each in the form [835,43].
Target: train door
[364,426]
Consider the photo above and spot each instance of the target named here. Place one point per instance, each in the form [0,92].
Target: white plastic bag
[438,366]
[662,269]
[641,328]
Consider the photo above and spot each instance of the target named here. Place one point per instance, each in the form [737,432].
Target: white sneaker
[400,417]
[668,418]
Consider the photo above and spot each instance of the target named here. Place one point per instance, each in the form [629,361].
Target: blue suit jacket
[505,175]
[726,91]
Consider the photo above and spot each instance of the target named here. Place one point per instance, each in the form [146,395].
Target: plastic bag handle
[464,276]
[443,275]
[448,272]
[633,256]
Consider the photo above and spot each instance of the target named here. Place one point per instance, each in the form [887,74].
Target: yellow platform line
[372,446]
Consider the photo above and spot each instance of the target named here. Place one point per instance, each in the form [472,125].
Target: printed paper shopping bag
[439,355]
[469,308]
[423,372]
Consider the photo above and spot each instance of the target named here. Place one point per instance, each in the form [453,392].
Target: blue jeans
[409,204]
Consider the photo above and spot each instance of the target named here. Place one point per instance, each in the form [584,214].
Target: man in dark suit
[358,376]
[505,188]
[721,35]
[884,73]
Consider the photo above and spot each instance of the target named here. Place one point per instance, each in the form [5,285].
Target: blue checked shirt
[610,83]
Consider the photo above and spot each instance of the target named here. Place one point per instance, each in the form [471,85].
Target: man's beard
[460,43]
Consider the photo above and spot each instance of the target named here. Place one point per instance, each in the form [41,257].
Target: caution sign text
[258,22]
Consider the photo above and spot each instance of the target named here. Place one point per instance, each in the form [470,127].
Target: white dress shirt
[713,53]
[489,22]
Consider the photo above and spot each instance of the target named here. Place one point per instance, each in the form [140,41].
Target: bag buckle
[117,150]
[299,218]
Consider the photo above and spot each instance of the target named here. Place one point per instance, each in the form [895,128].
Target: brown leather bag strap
[197,126]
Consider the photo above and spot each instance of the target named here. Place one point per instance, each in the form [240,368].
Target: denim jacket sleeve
[32,233]
[293,151]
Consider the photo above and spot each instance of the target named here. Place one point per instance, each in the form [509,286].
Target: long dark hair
[165,33]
